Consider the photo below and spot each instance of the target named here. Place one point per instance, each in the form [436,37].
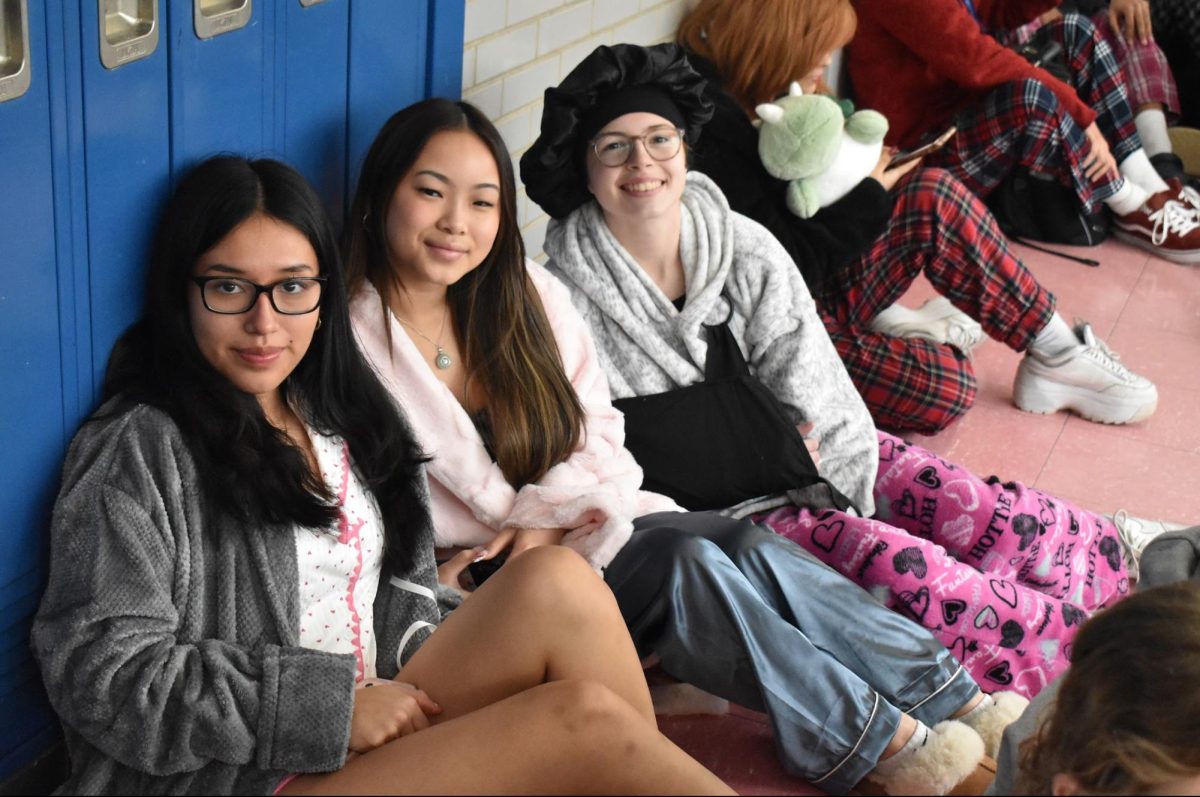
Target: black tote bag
[719,442]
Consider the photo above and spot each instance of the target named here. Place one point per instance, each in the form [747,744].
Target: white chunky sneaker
[937,320]
[1087,379]
[1136,533]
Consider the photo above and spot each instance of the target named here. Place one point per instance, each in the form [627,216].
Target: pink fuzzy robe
[594,494]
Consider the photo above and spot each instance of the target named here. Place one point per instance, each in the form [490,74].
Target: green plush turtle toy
[816,144]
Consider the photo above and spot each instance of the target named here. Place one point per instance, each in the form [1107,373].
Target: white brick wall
[514,49]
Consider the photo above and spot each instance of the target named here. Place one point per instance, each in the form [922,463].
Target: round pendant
[442,361]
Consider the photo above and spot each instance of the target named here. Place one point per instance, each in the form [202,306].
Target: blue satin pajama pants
[740,612]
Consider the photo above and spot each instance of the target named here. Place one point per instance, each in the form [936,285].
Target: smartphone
[901,158]
[482,570]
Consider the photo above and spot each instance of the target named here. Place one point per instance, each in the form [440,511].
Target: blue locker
[391,41]
[275,86]
[127,148]
[443,62]
[222,87]
[31,390]
[400,52]
[33,431]
[310,118]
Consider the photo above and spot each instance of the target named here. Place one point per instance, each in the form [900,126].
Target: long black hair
[248,468]
[536,417]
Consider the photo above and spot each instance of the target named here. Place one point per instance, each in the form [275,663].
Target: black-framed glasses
[233,295]
[660,143]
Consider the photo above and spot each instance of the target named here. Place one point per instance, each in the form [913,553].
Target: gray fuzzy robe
[733,268]
[167,636]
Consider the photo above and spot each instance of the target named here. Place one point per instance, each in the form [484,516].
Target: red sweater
[919,61]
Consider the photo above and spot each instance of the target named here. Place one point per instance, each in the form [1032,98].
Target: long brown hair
[759,47]
[508,344]
[1126,715]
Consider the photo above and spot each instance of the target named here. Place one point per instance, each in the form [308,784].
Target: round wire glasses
[661,143]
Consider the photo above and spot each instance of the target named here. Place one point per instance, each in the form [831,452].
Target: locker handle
[128,31]
[214,17]
[14,49]
[307,3]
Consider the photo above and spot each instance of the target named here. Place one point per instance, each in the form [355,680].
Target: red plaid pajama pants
[1144,67]
[1148,77]
[1022,122]
[942,230]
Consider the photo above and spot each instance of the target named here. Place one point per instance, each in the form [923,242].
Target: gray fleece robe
[167,635]
[733,268]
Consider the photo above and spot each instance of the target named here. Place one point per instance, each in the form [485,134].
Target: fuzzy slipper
[951,762]
[990,722]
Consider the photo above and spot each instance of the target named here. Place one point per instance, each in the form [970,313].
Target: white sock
[887,766]
[1056,337]
[987,699]
[1128,198]
[1152,130]
[1138,169]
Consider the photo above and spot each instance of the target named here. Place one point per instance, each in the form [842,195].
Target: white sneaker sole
[936,313]
[1187,257]
[1049,397]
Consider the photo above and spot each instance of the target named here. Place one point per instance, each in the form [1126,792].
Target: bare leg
[557,738]
[544,617]
[904,732]
[966,707]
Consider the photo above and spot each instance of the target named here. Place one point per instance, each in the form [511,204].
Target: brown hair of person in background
[761,47]
[1126,716]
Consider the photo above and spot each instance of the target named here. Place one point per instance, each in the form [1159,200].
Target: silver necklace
[441,359]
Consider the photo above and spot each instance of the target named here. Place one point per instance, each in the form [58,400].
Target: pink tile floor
[1148,310]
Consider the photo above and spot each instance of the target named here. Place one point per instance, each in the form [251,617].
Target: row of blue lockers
[102,104]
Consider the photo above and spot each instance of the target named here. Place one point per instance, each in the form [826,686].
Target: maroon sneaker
[1165,225]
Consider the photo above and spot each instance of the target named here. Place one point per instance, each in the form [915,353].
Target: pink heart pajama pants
[1001,573]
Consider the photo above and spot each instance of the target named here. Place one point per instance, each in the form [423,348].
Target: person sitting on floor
[242,595]
[860,254]
[926,64]
[1153,95]
[504,389]
[683,295]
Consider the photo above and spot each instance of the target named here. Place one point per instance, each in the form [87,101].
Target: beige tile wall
[514,49]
